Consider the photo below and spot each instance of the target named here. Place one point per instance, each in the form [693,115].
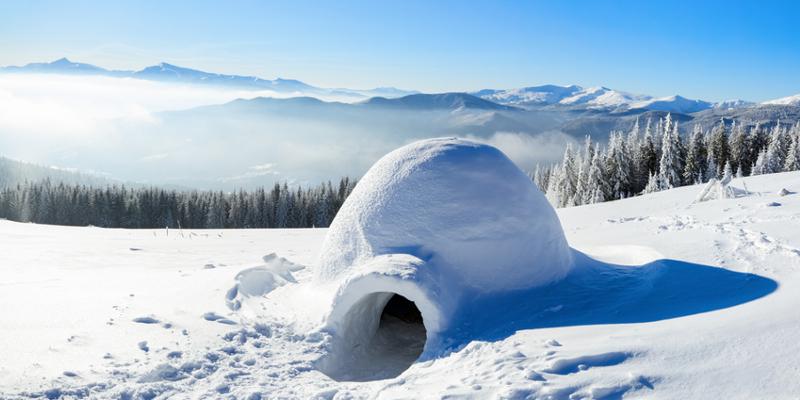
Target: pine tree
[554,186]
[793,155]
[711,167]
[539,177]
[776,151]
[670,165]
[655,183]
[633,145]
[596,188]
[696,156]
[618,167]
[760,166]
[719,146]
[584,163]
[740,149]
[727,173]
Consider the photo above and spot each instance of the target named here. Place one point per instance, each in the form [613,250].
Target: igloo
[430,226]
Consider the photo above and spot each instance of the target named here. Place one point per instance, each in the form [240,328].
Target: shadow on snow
[601,293]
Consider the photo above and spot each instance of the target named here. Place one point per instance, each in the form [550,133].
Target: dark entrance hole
[403,309]
[383,334]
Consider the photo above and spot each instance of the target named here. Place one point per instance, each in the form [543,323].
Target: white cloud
[49,104]
[263,167]
[527,150]
[253,172]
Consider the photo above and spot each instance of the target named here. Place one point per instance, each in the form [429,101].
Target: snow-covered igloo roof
[462,206]
[430,222]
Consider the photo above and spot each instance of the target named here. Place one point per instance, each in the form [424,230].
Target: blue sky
[713,50]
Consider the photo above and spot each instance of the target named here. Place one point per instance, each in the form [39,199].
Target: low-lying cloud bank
[135,130]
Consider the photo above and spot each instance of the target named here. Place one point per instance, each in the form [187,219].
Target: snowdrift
[429,227]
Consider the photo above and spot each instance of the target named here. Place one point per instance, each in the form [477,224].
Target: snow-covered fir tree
[727,172]
[648,158]
[628,166]
[618,167]
[596,186]
[584,163]
[776,150]
[719,146]
[760,166]
[740,151]
[671,166]
[792,162]
[696,156]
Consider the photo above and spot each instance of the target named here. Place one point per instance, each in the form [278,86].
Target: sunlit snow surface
[97,313]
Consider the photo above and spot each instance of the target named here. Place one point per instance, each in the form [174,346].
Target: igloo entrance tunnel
[431,226]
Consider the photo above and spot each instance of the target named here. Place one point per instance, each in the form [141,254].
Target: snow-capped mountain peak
[603,97]
[733,104]
[553,95]
[675,103]
[533,95]
[785,101]
[62,65]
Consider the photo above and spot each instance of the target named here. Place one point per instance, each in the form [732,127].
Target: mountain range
[302,136]
[599,98]
[567,98]
[165,72]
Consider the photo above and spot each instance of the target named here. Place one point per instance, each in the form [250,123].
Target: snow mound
[715,189]
[429,225]
[461,206]
[259,281]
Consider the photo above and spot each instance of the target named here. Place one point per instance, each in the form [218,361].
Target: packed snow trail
[79,301]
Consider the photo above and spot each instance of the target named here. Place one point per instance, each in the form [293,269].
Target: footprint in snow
[214,317]
[146,320]
[258,281]
[565,366]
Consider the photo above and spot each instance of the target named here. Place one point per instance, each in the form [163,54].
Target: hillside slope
[701,303]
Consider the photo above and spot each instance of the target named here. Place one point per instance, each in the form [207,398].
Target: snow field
[717,319]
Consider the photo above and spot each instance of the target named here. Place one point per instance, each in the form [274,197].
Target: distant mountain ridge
[453,101]
[165,72]
[786,101]
[599,98]
[565,98]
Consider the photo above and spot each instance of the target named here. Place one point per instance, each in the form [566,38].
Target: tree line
[118,206]
[644,160]
[659,158]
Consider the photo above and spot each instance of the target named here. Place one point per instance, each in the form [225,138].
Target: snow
[675,103]
[593,97]
[546,94]
[785,101]
[669,299]
[462,206]
[733,104]
[434,221]
[599,97]
[602,97]
[716,189]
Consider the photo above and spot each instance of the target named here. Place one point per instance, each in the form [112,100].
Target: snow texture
[433,222]
[716,189]
[462,207]
[666,299]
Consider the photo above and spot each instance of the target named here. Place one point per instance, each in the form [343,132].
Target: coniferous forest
[113,206]
[646,159]
[656,157]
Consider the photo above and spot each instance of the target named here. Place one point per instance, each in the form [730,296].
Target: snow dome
[429,225]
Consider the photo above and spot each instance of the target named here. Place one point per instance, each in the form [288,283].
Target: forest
[118,206]
[659,158]
[644,160]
